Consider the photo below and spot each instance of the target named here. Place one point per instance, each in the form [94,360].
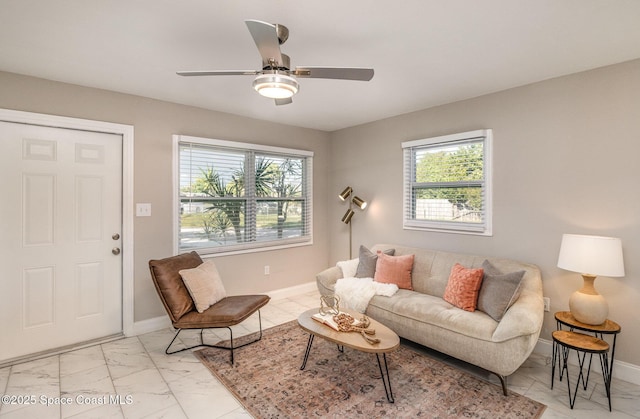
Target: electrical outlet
[547,303]
[266,269]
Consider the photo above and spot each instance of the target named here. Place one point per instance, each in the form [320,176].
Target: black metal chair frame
[202,344]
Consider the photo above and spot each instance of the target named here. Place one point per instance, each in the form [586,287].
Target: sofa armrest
[525,317]
[326,280]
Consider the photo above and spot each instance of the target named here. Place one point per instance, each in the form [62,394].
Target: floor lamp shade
[346,195]
[359,202]
[591,256]
[346,218]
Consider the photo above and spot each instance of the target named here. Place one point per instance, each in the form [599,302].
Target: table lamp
[591,256]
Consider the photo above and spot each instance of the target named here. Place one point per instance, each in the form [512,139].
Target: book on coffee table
[328,320]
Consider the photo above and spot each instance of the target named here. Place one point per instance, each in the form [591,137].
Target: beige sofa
[422,316]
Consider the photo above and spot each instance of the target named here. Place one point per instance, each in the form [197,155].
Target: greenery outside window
[447,183]
[237,197]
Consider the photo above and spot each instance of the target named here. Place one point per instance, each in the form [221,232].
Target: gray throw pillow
[368,260]
[498,291]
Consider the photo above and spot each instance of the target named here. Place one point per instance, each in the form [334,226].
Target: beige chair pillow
[204,285]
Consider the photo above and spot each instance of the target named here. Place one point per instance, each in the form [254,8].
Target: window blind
[236,197]
[447,183]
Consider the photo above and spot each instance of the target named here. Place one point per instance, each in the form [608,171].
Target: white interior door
[61,215]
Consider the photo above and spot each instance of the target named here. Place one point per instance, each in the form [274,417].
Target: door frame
[126,131]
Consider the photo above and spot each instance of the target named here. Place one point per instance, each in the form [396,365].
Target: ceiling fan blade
[286,101]
[265,36]
[343,73]
[219,73]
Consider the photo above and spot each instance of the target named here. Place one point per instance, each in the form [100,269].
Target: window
[447,183]
[236,197]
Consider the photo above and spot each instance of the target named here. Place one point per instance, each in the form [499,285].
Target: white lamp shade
[591,255]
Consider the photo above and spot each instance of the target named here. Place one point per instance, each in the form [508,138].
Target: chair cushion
[204,285]
[226,312]
[169,284]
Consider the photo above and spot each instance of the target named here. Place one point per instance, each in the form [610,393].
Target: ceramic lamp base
[587,306]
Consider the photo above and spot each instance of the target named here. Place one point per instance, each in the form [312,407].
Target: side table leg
[565,367]
[604,363]
[385,377]
[553,362]
[306,353]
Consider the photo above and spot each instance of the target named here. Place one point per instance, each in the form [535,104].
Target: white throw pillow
[349,267]
[204,285]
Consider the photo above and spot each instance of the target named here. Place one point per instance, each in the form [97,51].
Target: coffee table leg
[306,353]
[385,377]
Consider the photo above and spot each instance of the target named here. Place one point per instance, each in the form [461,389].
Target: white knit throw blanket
[355,293]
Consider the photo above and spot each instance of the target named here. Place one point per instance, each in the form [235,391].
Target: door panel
[61,204]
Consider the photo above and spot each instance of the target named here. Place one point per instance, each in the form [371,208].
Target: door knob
[116,236]
[115,250]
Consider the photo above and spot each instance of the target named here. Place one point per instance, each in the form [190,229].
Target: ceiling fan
[277,80]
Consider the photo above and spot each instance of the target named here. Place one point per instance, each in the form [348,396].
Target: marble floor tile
[239,413]
[176,366]
[173,412]
[202,396]
[110,411]
[36,411]
[81,360]
[126,356]
[156,342]
[625,397]
[143,393]
[87,389]
[40,381]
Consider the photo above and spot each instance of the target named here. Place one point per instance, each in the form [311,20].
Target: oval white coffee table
[389,341]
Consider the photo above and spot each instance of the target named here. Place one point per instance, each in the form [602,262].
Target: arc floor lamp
[348,196]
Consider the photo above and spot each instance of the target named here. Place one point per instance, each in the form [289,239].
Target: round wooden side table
[584,344]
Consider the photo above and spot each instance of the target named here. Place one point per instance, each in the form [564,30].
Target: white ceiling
[424,52]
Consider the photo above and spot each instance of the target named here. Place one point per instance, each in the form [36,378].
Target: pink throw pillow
[394,270]
[463,287]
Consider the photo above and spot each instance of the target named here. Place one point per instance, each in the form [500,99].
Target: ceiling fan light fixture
[276,86]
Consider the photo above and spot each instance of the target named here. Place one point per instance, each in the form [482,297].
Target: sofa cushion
[348,267]
[406,309]
[463,287]
[498,291]
[368,260]
[394,270]
[204,285]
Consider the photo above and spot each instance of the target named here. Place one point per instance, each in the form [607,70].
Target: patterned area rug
[267,380]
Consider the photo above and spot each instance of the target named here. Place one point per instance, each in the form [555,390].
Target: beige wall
[154,123]
[565,161]
[565,153]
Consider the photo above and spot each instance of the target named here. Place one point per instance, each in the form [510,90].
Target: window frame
[485,228]
[250,246]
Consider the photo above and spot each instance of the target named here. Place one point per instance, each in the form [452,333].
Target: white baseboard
[621,370]
[151,325]
[292,291]
[162,322]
